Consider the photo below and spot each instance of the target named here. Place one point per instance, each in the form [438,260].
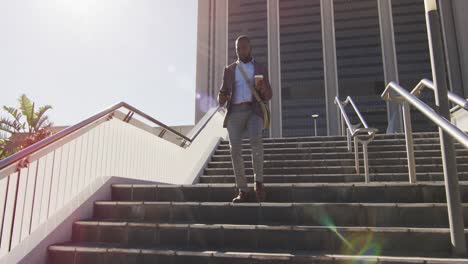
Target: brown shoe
[260,192]
[241,198]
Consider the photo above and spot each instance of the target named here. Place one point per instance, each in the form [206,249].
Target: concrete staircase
[318,210]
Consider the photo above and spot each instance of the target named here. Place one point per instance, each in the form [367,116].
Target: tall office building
[319,49]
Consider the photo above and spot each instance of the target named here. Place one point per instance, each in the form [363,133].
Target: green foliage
[23,126]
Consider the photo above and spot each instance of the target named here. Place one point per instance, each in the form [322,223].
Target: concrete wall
[59,228]
[460,11]
[460,119]
[154,161]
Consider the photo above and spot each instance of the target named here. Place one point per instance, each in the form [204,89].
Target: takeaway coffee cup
[258,78]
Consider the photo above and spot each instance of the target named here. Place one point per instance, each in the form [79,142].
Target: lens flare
[358,244]
[325,220]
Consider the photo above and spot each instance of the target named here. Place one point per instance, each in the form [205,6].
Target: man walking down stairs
[244,114]
[318,210]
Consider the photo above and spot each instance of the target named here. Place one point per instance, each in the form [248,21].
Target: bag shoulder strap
[252,88]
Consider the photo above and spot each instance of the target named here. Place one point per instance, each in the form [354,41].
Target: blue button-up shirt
[243,93]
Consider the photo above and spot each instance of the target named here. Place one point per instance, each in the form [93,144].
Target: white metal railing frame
[24,157]
[20,161]
[411,98]
[363,135]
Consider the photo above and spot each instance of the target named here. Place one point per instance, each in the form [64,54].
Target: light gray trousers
[241,120]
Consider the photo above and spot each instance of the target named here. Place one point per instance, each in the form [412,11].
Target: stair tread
[341,160]
[334,174]
[344,147]
[331,175]
[402,151]
[272,227]
[305,184]
[275,204]
[379,135]
[270,254]
[351,166]
[268,143]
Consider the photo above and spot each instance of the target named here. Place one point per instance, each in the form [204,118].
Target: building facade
[319,49]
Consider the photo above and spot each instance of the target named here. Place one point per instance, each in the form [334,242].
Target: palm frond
[31,120]
[39,118]
[26,126]
[27,109]
[15,113]
[43,122]
[7,130]
[9,126]
[26,105]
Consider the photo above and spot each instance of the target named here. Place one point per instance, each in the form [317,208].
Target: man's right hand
[222,99]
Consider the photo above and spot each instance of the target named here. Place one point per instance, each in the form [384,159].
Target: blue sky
[81,56]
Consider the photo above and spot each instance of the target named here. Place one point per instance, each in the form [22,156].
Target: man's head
[243,48]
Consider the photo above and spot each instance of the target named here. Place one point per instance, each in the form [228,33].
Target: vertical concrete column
[452,55]
[460,18]
[212,40]
[274,67]
[390,65]
[330,66]
[202,64]
[220,56]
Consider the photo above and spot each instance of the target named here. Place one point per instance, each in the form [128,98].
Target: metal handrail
[361,118]
[407,99]
[105,114]
[363,135]
[454,98]
[443,123]
[201,124]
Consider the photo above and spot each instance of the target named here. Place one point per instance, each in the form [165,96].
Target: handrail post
[356,155]
[449,162]
[348,139]
[353,134]
[366,160]
[409,141]
[343,125]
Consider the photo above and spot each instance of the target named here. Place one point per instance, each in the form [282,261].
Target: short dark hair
[243,37]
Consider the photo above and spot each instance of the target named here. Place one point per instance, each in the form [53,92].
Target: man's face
[243,49]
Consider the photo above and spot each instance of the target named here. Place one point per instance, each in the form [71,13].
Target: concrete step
[341,155]
[372,148]
[333,178]
[377,142]
[349,240]
[333,169]
[337,138]
[85,253]
[381,142]
[309,214]
[337,162]
[285,193]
